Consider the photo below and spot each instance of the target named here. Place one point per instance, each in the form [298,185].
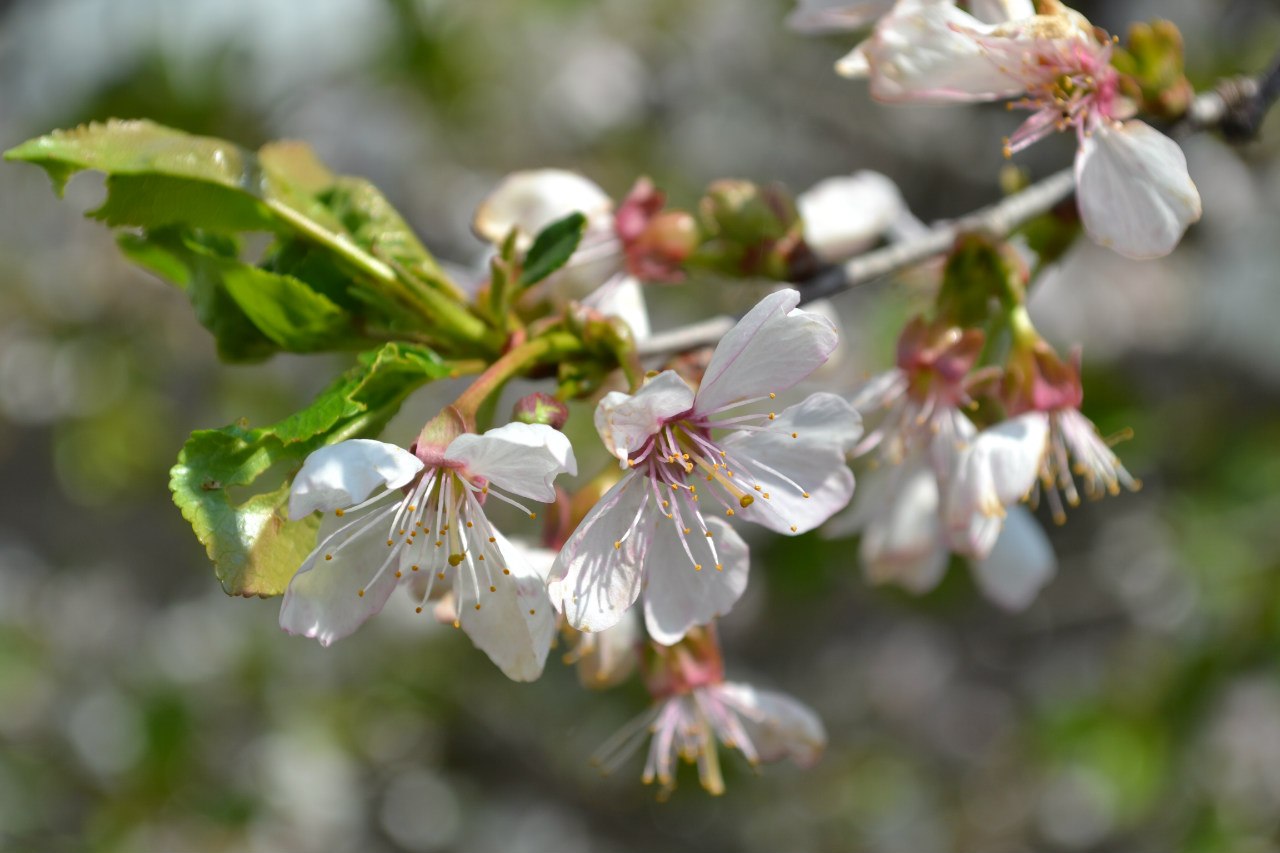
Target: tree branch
[1236,106]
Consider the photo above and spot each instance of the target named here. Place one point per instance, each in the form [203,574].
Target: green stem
[446,316]
[549,347]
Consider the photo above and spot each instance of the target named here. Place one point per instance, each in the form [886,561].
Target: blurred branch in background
[1237,107]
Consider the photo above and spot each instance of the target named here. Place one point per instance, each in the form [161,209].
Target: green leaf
[254,547]
[252,312]
[552,248]
[140,148]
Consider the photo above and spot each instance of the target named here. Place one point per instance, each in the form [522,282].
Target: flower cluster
[1135,195]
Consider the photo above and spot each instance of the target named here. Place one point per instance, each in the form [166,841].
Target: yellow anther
[773,416]
[328,556]
[687,531]
[719,567]
[533,515]
[455,559]
[728,511]
[412,507]
[709,536]
[479,556]
[360,593]
[492,539]
[477,606]
[417,609]
[339,512]
[804,494]
[756,487]
[440,575]
[532,611]
[746,501]
[506,571]
[617,545]
[390,542]
[415,568]
[793,528]
[772,396]
[469,524]
[398,574]
[697,567]
[795,435]
[492,588]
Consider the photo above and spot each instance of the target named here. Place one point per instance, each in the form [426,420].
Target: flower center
[437,531]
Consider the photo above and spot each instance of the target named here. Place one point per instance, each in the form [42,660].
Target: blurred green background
[1134,707]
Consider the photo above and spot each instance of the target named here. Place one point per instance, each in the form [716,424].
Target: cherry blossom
[1134,193]
[597,274]
[394,517]
[765,726]
[936,485]
[686,458]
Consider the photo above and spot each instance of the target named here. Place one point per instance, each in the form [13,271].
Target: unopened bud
[540,408]
[663,246]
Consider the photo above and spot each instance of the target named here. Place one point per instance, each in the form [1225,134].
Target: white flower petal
[608,657]
[344,474]
[778,725]
[825,429]
[854,64]
[677,596]
[770,349]
[322,600]
[902,543]
[532,200]
[626,421]
[520,458]
[1001,11]
[1134,192]
[1019,565]
[514,625]
[926,51]
[593,583]
[833,16]
[844,215]
[623,297]
[996,471]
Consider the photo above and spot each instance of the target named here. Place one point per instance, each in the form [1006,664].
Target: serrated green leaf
[254,547]
[252,312]
[552,248]
[156,201]
[140,147]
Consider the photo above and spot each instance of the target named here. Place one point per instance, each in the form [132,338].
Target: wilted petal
[517,457]
[996,471]
[344,474]
[598,575]
[925,50]
[1019,565]
[515,624]
[770,349]
[323,600]
[805,444]
[530,201]
[845,215]
[833,16]
[1134,192]
[778,725]
[626,421]
[678,596]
